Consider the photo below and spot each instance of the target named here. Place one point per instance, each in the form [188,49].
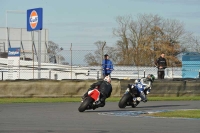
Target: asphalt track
[65,118]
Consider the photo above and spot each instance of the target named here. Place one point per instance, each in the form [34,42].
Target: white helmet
[107,78]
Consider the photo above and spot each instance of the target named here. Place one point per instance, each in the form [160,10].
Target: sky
[83,22]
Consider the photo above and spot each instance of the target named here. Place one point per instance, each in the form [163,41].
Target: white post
[71,59]
[39,54]
[102,59]
[11,11]
[6,18]
[6,29]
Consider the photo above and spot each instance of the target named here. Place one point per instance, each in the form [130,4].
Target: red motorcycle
[90,101]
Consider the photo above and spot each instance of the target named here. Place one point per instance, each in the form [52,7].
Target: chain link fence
[71,64]
[68,63]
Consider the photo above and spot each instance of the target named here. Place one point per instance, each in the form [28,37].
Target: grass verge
[78,99]
[178,113]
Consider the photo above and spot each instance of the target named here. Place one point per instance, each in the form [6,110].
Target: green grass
[179,114]
[38,100]
[189,98]
[78,99]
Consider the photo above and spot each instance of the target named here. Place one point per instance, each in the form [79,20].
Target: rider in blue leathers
[144,86]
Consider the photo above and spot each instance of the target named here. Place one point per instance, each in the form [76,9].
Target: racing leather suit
[105,90]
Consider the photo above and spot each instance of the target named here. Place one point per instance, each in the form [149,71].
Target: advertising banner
[13,63]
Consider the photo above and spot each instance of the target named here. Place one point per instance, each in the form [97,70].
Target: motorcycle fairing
[95,94]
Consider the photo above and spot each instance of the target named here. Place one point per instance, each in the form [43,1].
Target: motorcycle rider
[105,88]
[146,86]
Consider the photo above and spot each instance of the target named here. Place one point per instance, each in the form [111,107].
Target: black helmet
[150,77]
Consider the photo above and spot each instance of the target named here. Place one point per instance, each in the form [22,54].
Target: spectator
[161,64]
[107,66]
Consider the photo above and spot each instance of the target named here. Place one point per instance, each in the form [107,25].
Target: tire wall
[76,88]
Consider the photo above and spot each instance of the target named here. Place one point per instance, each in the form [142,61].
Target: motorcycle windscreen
[94,94]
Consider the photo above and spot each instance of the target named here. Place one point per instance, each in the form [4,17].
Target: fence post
[55,76]
[199,73]
[2,74]
[97,74]
[50,74]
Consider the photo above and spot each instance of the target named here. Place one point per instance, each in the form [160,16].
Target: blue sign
[191,65]
[13,51]
[34,19]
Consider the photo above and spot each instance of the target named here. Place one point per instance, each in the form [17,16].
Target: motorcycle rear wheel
[84,105]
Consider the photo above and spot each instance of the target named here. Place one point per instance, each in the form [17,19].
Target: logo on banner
[13,52]
[33,20]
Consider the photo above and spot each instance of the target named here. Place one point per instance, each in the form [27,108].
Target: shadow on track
[161,106]
[134,109]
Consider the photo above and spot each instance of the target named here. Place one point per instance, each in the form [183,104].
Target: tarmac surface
[65,118]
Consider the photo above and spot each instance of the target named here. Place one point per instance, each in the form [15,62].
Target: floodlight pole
[11,11]
[102,59]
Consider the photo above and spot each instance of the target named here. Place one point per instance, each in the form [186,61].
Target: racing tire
[123,101]
[84,105]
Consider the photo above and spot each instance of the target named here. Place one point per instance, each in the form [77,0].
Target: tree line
[142,39]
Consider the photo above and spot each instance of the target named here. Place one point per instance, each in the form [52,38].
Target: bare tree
[142,40]
[53,50]
[123,44]
[95,58]
[194,45]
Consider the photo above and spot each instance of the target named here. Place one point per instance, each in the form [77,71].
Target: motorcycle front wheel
[123,101]
[84,105]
